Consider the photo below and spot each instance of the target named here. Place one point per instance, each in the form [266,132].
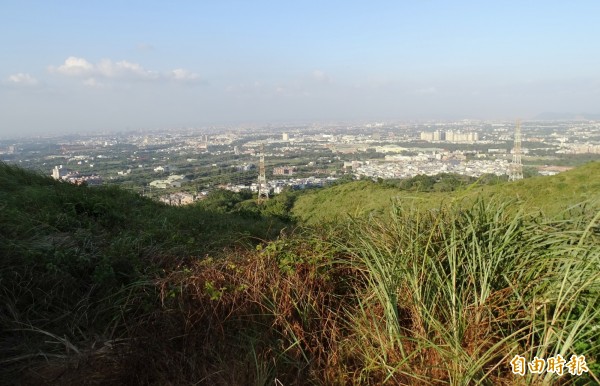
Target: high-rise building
[425,136]
[450,136]
[439,135]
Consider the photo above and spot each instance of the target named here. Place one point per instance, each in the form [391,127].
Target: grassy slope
[41,217]
[97,286]
[548,194]
[74,260]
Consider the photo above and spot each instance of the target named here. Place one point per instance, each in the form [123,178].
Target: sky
[73,66]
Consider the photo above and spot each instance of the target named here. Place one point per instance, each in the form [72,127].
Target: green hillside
[99,286]
[551,195]
[76,261]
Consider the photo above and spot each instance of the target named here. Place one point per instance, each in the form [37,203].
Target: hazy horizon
[71,67]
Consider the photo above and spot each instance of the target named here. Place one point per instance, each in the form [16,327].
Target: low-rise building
[173,181]
[179,199]
[284,171]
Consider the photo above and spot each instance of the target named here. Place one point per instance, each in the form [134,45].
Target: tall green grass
[459,291]
[440,296]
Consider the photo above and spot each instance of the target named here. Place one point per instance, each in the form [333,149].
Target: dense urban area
[180,166]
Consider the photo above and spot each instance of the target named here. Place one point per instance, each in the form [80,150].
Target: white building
[162,169]
[59,172]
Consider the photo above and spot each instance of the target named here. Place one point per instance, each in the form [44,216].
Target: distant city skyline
[78,67]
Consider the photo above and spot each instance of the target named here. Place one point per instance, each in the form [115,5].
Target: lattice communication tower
[263,188]
[516,167]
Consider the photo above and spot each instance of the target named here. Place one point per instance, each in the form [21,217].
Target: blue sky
[78,66]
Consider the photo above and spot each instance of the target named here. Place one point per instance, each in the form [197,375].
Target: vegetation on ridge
[445,294]
[76,259]
[550,195]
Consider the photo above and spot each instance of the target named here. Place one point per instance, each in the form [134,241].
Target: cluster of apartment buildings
[577,148]
[278,186]
[11,149]
[64,174]
[422,165]
[450,136]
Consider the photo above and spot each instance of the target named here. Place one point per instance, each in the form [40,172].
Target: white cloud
[74,67]
[181,75]
[124,70]
[22,79]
